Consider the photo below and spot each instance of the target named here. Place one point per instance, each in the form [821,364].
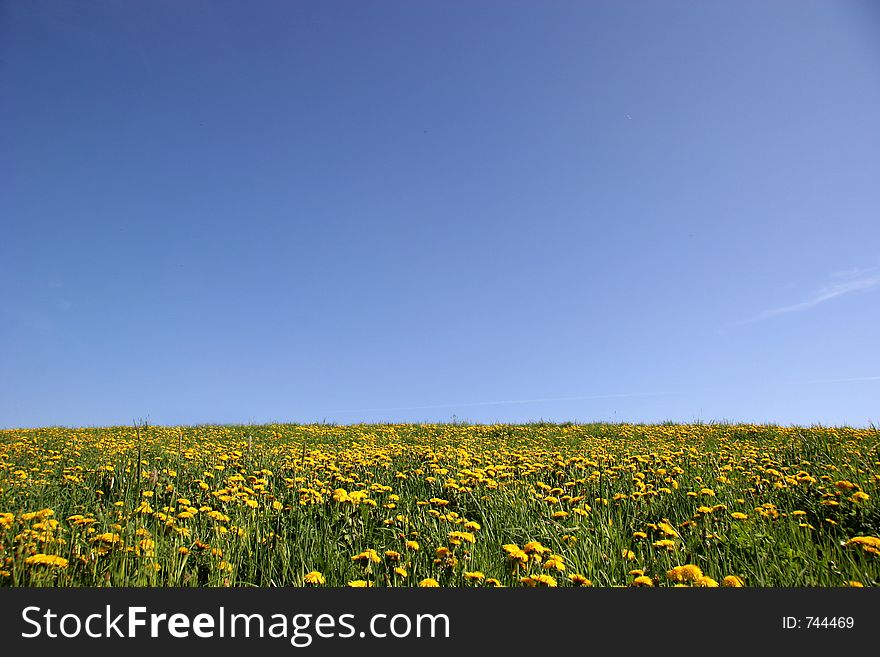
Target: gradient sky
[347,212]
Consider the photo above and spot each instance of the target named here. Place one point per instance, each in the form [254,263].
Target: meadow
[539,505]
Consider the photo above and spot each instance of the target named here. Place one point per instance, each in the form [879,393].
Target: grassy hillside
[455,505]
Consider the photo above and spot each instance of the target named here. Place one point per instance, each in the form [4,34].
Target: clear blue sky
[368,211]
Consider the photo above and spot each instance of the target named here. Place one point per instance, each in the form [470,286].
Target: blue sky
[409,211]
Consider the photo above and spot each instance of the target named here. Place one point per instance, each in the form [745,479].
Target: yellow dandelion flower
[555,562]
[666,529]
[732,581]
[642,580]
[869,544]
[457,538]
[686,573]
[534,547]
[367,557]
[314,578]
[107,538]
[50,560]
[539,581]
[515,554]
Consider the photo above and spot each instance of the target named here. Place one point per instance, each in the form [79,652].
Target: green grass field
[448,505]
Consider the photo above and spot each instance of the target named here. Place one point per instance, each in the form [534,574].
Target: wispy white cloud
[845,282]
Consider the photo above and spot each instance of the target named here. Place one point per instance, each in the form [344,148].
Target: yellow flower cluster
[536,505]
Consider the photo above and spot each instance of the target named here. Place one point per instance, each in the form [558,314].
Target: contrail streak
[507,401]
[849,380]
[821,295]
